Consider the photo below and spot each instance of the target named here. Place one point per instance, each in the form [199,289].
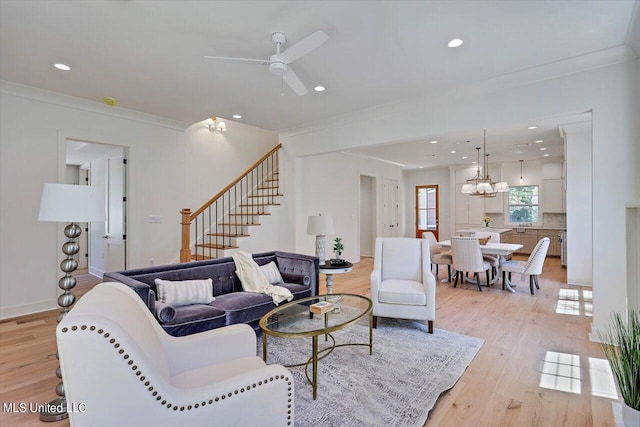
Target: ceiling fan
[279,62]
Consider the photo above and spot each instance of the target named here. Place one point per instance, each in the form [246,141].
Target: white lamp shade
[467,189]
[485,187]
[502,187]
[72,203]
[320,225]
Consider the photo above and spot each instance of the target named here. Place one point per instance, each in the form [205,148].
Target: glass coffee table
[295,320]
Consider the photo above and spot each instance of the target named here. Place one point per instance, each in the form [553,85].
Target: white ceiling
[149,54]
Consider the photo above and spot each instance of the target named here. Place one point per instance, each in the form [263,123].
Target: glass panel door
[426,209]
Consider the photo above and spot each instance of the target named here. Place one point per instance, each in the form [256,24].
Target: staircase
[214,229]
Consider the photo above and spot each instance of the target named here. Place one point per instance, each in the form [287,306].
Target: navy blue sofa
[231,305]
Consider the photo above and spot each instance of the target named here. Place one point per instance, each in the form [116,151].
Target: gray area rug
[396,386]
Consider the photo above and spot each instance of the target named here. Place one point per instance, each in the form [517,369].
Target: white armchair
[402,284]
[126,370]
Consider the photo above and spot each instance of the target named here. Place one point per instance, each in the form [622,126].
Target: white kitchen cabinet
[469,209]
[495,204]
[552,198]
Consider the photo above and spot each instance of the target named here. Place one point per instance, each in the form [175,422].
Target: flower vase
[630,416]
[338,254]
[486,224]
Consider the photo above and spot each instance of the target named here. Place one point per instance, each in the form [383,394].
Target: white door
[367,215]
[390,208]
[115,226]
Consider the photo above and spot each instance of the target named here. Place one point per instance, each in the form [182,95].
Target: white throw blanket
[253,280]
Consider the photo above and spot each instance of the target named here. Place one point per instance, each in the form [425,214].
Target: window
[523,204]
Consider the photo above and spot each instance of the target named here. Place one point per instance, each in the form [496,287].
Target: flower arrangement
[487,220]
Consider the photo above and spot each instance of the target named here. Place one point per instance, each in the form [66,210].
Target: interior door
[427,212]
[390,208]
[115,227]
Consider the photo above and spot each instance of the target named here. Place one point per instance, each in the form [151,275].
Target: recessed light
[539,141]
[546,155]
[319,88]
[464,158]
[420,167]
[474,162]
[543,148]
[453,152]
[237,116]
[63,67]
[532,127]
[434,142]
[455,43]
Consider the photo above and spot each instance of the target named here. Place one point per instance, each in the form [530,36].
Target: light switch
[155,219]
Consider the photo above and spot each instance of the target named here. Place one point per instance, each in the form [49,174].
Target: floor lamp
[320,226]
[69,204]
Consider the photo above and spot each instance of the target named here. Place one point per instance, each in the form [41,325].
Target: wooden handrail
[234,182]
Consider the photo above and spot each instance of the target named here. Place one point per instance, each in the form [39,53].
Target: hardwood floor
[501,387]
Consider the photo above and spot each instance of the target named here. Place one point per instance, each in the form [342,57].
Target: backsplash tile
[551,220]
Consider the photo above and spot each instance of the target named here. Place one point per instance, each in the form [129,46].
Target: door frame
[374,209]
[63,136]
[419,232]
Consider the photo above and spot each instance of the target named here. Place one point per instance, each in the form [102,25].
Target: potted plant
[338,247]
[622,349]
[487,220]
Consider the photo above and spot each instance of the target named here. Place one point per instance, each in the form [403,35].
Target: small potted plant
[487,220]
[622,349]
[338,247]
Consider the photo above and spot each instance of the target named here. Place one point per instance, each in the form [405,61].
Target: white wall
[168,170]
[439,177]
[611,92]
[579,204]
[330,186]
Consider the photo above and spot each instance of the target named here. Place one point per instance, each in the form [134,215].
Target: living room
[169,167]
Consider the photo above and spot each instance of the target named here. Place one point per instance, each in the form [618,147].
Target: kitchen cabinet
[469,209]
[554,244]
[529,239]
[552,198]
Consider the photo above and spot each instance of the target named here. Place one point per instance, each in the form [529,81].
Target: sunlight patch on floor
[602,382]
[562,372]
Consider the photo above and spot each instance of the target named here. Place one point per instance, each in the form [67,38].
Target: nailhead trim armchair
[117,360]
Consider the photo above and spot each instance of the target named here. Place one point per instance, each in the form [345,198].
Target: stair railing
[228,214]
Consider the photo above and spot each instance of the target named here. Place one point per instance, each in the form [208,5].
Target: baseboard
[22,310]
[96,272]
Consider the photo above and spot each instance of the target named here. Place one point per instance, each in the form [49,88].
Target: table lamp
[70,204]
[320,226]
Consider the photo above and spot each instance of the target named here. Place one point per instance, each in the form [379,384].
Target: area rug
[396,386]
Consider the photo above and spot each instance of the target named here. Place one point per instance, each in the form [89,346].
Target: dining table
[502,250]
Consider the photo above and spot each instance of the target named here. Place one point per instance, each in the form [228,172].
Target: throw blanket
[253,280]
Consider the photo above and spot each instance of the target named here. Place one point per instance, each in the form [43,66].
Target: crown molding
[46,96]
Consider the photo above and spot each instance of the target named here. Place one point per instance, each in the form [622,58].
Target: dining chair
[467,258]
[532,267]
[438,256]
[493,260]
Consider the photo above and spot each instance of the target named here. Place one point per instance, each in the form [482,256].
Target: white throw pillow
[185,292]
[271,272]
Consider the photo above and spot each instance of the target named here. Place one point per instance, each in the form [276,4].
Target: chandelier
[482,185]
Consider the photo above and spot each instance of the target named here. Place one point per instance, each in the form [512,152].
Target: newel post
[185,249]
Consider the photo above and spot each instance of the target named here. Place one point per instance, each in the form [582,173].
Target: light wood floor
[501,387]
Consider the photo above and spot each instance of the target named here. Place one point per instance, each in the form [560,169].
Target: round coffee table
[295,320]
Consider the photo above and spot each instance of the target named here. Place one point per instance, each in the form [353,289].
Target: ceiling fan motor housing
[276,65]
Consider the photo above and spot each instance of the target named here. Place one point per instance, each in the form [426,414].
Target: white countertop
[484,229]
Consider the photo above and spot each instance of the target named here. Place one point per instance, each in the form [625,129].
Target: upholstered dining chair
[438,256]
[402,284]
[532,267]
[127,371]
[467,258]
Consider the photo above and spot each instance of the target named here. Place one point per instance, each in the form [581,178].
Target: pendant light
[482,185]
[521,179]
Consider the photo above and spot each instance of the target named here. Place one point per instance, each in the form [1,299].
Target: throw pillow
[164,312]
[271,272]
[185,292]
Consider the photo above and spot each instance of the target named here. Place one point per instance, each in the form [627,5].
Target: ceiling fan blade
[294,82]
[226,58]
[304,46]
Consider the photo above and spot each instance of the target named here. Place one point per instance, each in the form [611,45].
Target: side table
[330,270]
